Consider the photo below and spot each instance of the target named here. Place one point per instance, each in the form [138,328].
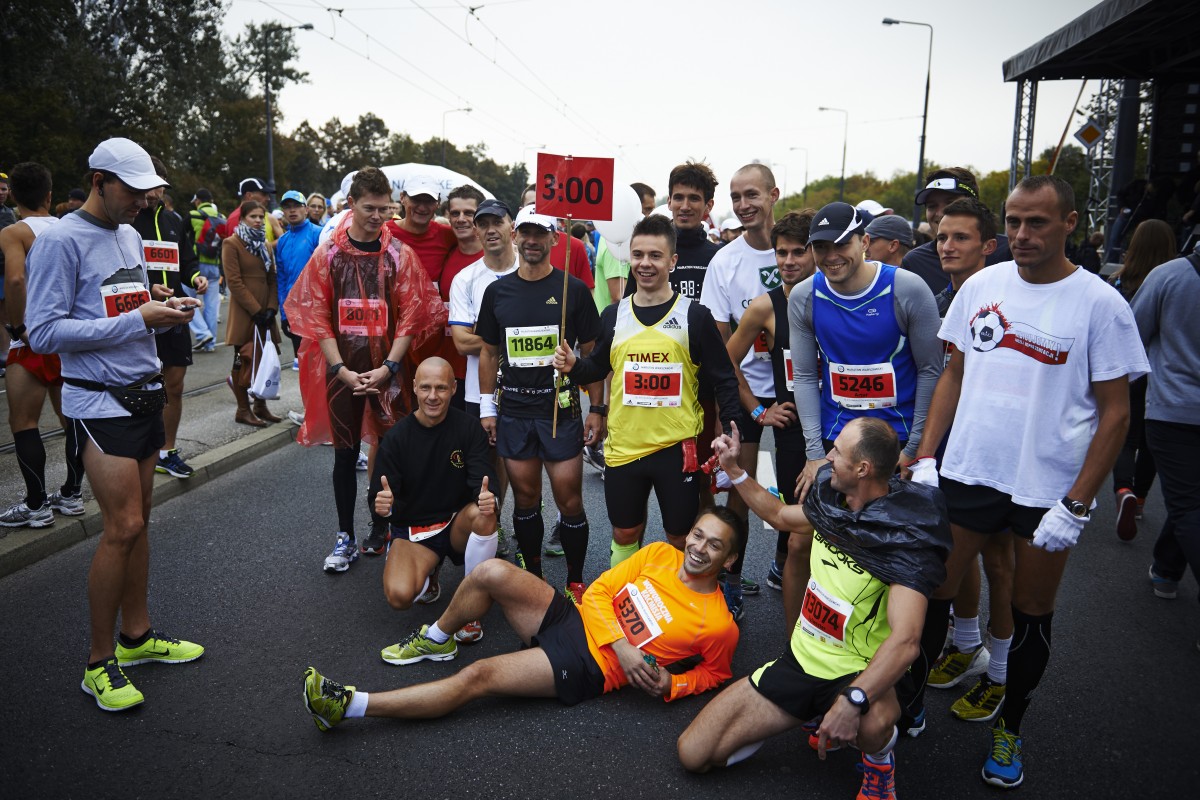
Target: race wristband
[739,479]
[756,413]
[336,368]
[487,407]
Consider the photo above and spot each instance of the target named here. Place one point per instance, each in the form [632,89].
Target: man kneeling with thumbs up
[431,483]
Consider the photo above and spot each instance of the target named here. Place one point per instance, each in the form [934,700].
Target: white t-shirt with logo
[466,298]
[1027,413]
[736,275]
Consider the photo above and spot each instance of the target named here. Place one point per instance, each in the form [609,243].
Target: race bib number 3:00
[652,385]
[531,347]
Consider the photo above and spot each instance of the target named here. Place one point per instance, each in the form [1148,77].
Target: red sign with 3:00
[574,186]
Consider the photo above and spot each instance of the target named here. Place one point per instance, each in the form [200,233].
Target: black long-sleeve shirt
[433,472]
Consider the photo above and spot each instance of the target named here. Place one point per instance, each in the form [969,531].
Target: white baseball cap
[422,184]
[528,216]
[731,224]
[128,161]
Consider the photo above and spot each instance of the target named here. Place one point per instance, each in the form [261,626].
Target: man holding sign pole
[658,344]
[519,323]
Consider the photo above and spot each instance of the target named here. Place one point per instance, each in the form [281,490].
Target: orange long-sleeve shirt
[690,623]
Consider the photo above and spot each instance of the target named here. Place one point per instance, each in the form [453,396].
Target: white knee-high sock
[479,549]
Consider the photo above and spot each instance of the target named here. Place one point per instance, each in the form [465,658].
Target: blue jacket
[292,252]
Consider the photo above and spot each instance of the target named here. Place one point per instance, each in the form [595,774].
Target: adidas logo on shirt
[551,302]
[671,324]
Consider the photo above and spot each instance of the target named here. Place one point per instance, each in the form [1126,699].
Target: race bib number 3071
[120,298]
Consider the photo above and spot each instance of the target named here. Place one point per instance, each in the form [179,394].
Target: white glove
[924,470]
[1059,529]
[723,481]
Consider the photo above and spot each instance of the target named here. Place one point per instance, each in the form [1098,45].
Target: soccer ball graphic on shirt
[987,329]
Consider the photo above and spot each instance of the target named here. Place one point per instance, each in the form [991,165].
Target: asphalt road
[236,565]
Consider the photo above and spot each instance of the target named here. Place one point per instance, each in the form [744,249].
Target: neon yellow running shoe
[112,690]
[325,699]
[981,703]
[158,649]
[954,667]
[417,647]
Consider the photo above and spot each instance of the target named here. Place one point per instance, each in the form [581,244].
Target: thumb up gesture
[383,500]
[487,500]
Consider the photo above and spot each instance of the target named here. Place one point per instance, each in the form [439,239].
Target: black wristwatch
[17,332]
[1075,507]
[857,698]
[393,366]
[599,408]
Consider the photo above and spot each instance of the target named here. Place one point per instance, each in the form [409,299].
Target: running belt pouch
[905,540]
[134,398]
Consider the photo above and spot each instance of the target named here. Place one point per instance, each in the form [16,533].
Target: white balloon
[626,212]
[620,250]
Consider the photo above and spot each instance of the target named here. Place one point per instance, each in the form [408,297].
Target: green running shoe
[981,703]
[325,699]
[419,648]
[158,649]
[112,690]
[955,666]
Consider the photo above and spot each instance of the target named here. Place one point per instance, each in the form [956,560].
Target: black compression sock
[530,530]
[573,533]
[1027,660]
[74,457]
[933,639]
[345,487]
[736,569]
[31,458]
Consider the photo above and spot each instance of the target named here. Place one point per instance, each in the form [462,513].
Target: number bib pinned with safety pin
[120,298]
[362,317]
[862,386]
[531,347]
[637,621]
[161,255]
[652,385]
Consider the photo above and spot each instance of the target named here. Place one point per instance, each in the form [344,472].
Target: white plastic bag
[265,383]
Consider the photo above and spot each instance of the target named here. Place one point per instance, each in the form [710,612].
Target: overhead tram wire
[517,80]
[471,13]
[512,134]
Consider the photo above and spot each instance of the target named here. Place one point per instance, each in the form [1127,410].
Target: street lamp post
[845,135]
[805,151]
[308,26]
[444,113]
[924,113]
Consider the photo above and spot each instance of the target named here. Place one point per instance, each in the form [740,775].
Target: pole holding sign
[574,188]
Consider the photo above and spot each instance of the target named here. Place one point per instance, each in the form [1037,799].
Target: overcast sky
[654,83]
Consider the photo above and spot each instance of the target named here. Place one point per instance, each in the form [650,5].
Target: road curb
[25,546]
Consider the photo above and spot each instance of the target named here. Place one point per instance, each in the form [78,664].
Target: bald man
[431,483]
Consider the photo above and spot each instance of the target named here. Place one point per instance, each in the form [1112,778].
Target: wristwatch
[599,408]
[857,698]
[393,366]
[1075,507]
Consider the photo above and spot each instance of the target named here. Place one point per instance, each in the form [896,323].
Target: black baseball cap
[250,185]
[945,181]
[497,208]
[836,223]
[77,194]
